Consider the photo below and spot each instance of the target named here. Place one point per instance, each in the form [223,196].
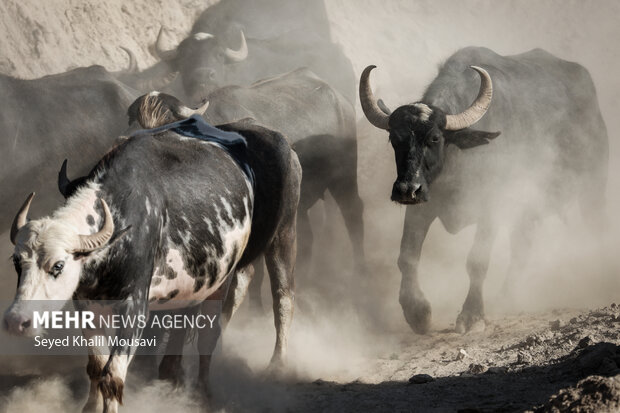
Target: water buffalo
[204,63]
[169,214]
[553,149]
[321,126]
[237,42]
[81,111]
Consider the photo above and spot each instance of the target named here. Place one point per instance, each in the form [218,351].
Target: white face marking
[203,36]
[425,111]
[41,245]
[147,204]
[46,243]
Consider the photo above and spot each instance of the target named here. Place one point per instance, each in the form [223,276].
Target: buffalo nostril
[415,192]
[25,325]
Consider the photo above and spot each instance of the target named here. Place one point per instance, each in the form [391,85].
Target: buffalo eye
[435,138]
[57,269]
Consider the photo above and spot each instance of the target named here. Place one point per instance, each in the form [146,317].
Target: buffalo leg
[107,372]
[416,308]
[239,286]
[345,191]
[207,340]
[107,381]
[171,365]
[477,267]
[305,240]
[280,259]
[255,286]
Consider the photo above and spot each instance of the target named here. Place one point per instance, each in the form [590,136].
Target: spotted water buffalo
[164,216]
[81,111]
[553,149]
[321,126]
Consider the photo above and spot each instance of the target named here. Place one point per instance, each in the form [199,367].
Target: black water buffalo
[320,123]
[164,216]
[553,148]
[80,111]
[204,63]
[238,42]
[321,126]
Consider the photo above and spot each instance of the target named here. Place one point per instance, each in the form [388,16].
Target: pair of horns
[231,54]
[86,243]
[379,118]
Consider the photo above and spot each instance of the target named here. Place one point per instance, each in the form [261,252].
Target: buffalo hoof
[418,315]
[202,396]
[470,321]
[276,368]
[278,372]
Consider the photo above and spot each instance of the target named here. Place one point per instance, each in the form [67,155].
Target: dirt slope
[44,37]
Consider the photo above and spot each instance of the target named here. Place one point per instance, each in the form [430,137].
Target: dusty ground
[524,362]
[517,364]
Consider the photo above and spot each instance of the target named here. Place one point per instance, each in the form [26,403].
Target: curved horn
[186,112]
[383,107]
[133,62]
[371,109]
[21,218]
[477,109]
[159,49]
[63,180]
[88,243]
[240,54]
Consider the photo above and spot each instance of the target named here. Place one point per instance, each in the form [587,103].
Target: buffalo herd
[166,211]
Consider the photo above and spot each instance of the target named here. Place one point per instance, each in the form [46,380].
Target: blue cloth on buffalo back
[196,127]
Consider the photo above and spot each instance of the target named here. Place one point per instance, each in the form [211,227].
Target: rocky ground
[555,361]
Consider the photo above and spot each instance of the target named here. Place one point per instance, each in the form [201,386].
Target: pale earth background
[407,40]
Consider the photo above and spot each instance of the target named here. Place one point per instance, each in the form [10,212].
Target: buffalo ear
[469,138]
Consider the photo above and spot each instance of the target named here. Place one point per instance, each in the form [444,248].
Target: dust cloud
[342,318]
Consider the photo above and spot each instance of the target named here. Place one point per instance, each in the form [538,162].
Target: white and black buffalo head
[201,59]
[49,255]
[157,109]
[419,133]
